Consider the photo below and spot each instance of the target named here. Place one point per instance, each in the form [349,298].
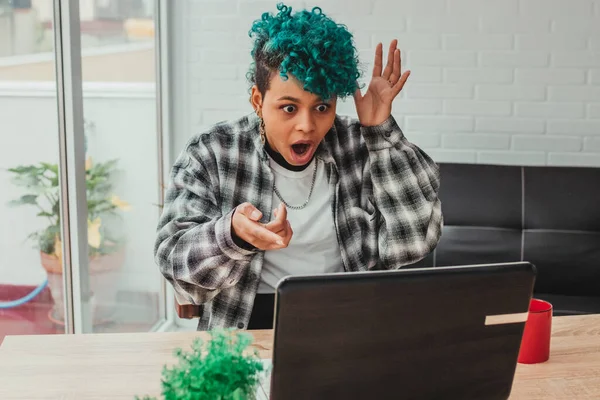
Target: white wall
[509,82]
[125,128]
[45,8]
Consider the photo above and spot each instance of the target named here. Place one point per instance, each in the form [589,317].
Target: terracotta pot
[103,284]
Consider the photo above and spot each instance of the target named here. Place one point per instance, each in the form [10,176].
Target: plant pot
[103,285]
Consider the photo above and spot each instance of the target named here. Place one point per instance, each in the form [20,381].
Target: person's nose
[306,122]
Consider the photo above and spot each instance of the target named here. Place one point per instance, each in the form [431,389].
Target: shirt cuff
[382,136]
[225,240]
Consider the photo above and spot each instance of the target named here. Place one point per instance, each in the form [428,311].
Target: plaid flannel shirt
[384,200]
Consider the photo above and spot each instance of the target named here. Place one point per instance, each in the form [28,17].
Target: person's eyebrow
[295,100]
[290,98]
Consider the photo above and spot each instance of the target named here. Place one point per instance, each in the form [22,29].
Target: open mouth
[300,148]
[302,152]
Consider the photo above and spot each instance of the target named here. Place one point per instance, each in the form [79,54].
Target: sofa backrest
[549,216]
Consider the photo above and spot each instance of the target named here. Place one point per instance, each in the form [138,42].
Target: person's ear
[256,100]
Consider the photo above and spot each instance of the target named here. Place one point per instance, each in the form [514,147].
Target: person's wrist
[237,239]
[241,242]
[373,122]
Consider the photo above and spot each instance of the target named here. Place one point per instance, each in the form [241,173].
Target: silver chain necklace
[312,186]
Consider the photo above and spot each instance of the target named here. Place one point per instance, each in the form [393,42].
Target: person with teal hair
[293,188]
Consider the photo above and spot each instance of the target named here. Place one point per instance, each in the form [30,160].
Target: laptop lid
[433,333]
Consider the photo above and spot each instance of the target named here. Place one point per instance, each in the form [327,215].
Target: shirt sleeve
[194,247]
[405,183]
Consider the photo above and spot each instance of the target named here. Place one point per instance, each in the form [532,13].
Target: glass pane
[117,39]
[31,283]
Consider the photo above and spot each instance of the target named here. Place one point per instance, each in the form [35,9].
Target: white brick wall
[508,82]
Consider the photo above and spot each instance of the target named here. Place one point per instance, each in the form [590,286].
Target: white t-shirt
[314,247]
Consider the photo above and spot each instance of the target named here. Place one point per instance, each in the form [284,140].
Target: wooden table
[120,366]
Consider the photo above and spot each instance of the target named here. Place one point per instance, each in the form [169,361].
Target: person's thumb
[250,211]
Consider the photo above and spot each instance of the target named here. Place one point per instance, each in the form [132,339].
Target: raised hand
[375,106]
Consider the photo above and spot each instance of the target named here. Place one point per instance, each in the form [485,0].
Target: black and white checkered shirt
[384,202]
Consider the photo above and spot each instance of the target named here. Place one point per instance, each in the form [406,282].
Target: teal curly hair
[308,45]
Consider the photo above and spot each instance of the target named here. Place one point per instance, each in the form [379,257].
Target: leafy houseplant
[220,369]
[41,186]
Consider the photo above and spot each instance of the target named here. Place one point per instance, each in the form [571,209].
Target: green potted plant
[40,183]
[221,368]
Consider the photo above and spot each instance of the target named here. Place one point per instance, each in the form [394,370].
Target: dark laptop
[434,333]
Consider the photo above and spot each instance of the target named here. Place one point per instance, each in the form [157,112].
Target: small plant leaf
[30,199]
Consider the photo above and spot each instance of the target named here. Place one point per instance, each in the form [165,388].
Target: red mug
[535,344]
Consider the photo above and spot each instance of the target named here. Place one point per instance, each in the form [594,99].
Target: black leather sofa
[549,216]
